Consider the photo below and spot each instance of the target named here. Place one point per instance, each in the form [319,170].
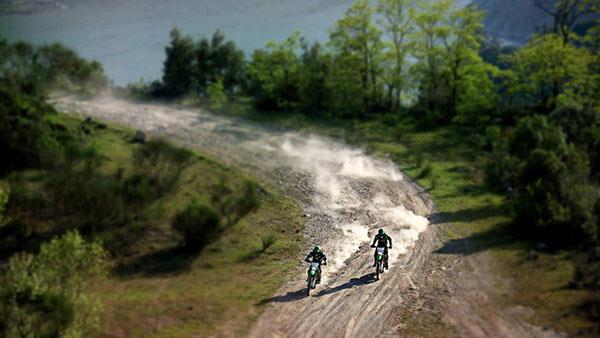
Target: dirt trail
[346,196]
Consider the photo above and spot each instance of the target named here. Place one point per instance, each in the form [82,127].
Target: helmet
[316,249]
[381,232]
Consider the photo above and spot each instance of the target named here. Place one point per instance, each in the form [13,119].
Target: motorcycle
[380,261]
[314,276]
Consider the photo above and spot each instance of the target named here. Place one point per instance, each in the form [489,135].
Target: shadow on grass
[364,280]
[478,242]
[288,297]
[467,215]
[162,263]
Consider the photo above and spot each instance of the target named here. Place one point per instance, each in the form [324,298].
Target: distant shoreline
[24,7]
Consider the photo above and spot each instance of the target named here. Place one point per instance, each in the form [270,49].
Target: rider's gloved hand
[390,246]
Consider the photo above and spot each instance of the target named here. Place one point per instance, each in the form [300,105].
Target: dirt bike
[314,276]
[380,261]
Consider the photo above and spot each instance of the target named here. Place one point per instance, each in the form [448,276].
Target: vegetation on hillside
[532,112]
[81,200]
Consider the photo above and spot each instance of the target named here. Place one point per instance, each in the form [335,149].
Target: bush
[267,241]
[27,139]
[198,224]
[426,170]
[4,195]
[46,295]
[94,198]
[249,200]
[553,199]
[160,163]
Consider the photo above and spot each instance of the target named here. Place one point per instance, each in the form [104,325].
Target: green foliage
[233,204]
[177,68]
[546,72]
[160,164]
[267,241]
[398,26]
[47,295]
[216,94]
[217,59]
[4,196]
[36,70]
[198,224]
[552,198]
[453,78]
[192,67]
[274,74]
[357,42]
[27,138]
[426,170]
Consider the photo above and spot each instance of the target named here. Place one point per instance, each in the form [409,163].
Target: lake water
[129,36]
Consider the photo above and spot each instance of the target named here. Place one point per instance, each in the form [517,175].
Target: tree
[398,26]
[432,30]
[566,13]
[177,68]
[315,69]
[216,94]
[274,74]
[468,77]
[546,71]
[46,295]
[215,59]
[356,41]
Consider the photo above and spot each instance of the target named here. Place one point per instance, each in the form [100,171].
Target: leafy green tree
[215,59]
[546,72]
[47,295]
[216,94]
[315,69]
[549,179]
[398,26]
[37,70]
[177,68]
[356,41]
[432,31]
[274,74]
[470,87]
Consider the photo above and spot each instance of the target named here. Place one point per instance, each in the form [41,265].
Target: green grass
[157,289]
[450,169]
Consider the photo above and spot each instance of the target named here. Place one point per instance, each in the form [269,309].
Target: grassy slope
[455,182]
[158,290]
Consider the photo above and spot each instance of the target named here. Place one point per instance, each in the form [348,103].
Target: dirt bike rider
[381,239]
[316,255]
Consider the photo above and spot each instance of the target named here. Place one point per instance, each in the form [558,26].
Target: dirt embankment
[431,289]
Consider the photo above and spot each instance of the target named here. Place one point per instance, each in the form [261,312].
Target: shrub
[267,241]
[216,94]
[27,140]
[4,195]
[94,198]
[426,170]
[249,200]
[198,224]
[46,295]
[553,199]
[160,163]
